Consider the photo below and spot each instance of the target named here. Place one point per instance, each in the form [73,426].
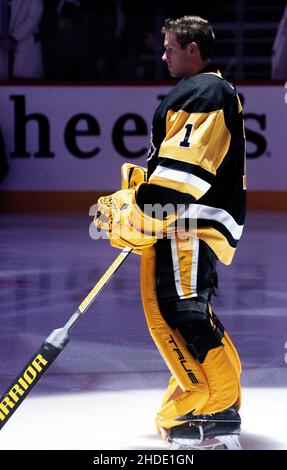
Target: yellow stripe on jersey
[177,185]
[184,264]
[217,243]
[207,144]
[239,105]
[182,261]
[217,73]
[244,182]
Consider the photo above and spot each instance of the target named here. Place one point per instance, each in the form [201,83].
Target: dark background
[120,39]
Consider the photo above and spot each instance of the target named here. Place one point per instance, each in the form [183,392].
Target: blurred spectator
[148,55]
[68,14]
[82,39]
[279,52]
[22,43]
[3,162]
[136,54]
[103,26]
[62,37]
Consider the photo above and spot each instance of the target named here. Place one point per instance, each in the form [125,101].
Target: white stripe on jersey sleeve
[199,211]
[182,177]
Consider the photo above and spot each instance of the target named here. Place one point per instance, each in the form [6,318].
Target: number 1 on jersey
[185,142]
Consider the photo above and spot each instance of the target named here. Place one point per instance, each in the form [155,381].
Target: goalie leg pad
[205,371]
[208,342]
[199,327]
[183,366]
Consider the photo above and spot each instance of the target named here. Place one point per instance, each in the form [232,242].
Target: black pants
[184,268]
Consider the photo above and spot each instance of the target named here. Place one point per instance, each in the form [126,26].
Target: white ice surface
[124,420]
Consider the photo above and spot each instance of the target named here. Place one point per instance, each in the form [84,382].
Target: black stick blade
[23,384]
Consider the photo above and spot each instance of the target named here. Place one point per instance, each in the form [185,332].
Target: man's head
[188,45]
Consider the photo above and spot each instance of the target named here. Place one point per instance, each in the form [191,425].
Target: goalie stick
[50,349]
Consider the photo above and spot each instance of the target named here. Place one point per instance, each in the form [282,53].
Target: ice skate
[218,431]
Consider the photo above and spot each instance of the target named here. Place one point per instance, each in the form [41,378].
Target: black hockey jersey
[197,159]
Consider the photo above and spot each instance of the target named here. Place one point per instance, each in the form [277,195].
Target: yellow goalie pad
[201,388]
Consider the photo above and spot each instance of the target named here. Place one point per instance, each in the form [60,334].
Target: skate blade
[228,442]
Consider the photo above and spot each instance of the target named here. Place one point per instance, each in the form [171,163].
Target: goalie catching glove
[124,221]
[126,224]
